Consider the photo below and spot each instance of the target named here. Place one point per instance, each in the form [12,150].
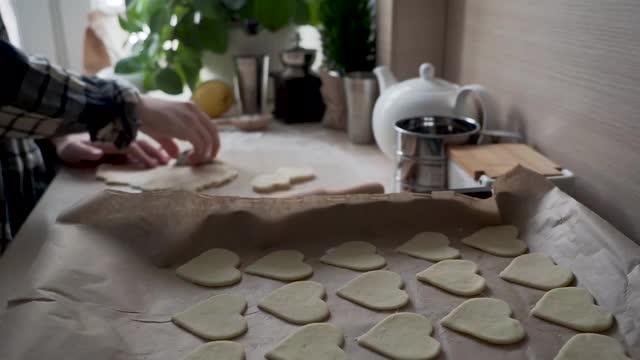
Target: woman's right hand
[165,119]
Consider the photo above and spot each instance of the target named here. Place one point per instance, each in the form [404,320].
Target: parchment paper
[105,288]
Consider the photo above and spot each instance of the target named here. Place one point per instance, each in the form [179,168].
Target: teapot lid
[429,81]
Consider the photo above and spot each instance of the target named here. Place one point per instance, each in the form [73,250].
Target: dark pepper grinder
[297,89]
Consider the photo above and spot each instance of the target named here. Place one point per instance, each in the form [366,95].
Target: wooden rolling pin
[368,188]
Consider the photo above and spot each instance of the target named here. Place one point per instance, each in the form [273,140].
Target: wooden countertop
[337,163]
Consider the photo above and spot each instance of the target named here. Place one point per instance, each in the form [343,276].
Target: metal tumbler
[421,154]
[251,82]
[361,89]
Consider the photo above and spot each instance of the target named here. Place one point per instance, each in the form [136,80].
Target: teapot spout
[385,77]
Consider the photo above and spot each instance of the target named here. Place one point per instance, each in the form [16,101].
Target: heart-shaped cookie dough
[486,319]
[536,271]
[319,341]
[299,303]
[591,347]
[455,276]
[574,308]
[218,318]
[430,246]
[354,255]
[215,267]
[377,290]
[224,350]
[497,240]
[285,265]
[297,174]
[402,336]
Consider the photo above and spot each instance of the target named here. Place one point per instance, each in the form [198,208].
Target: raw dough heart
[297,174]
[574,308]
[285,265]
[267,183]
[536,271]
[218,318]
[299,302]
[497,240]
[190,178]
[455,276]
[127,174]
[591,347]
[430,246]
[402,336]
[354,255]
[377,290]
[223,350]
[318,341]
[486,319]
[215,267]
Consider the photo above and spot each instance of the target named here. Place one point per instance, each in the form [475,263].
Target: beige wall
[566,73]
[411,32]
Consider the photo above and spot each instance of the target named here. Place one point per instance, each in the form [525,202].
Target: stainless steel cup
[361,89]
[421,155]
[251,82]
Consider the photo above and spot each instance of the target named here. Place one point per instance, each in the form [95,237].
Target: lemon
[214,97]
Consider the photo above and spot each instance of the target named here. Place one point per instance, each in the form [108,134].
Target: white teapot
[424,95]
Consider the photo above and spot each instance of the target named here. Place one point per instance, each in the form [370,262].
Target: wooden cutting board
[495,160]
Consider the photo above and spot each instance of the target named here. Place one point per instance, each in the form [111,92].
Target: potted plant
[170,37]
[349,46]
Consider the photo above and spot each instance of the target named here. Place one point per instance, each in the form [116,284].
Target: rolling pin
[368,188]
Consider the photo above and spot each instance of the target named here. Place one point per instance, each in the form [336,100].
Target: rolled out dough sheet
[170,177]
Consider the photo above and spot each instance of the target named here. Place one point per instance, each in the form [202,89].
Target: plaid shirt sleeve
[39,99]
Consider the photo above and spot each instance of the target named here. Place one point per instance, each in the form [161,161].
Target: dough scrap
[536,271]
[402,336]
[297,174]
[486,319]
[591,347]
[429,246]
[497,240]
[573,307]
[299,303]
[285,265]
[223,350]
[377,290]
[319,341]
[455,276]
[169,177]
[218,318]
[267,183]
[215,267]
[354,255]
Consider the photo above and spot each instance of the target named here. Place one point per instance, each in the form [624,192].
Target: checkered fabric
[41,100]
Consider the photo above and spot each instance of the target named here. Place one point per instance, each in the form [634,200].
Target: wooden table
[337,162]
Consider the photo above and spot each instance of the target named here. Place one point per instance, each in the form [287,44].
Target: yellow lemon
[214,97]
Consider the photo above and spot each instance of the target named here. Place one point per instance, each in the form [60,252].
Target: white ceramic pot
[424,95]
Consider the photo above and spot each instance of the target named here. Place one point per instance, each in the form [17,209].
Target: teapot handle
[488,107]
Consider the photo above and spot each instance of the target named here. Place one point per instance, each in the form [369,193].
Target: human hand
[164,120]
[77,148]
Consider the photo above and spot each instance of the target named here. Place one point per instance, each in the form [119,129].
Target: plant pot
[220,66]
[335,115]
[361,89]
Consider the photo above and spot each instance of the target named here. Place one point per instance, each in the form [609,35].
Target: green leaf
[159,19]
[168,80]
[129,65]
[213,35]
[234,4]
[187,32]
[209,8]
[149,82]
[152,46]
[248,10]
[302,15]
[275,14]
[129,26]
[188,63]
